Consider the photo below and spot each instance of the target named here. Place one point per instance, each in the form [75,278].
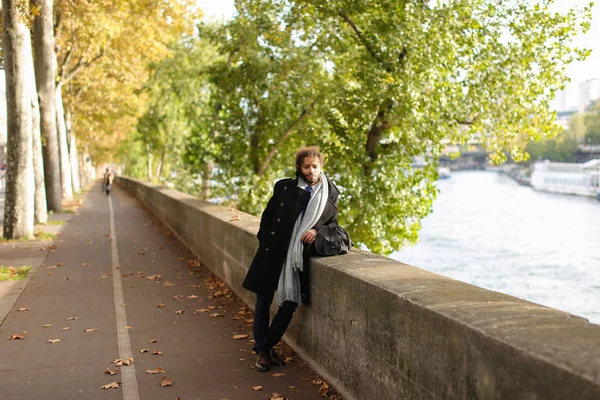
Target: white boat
[567,178]
[443,173]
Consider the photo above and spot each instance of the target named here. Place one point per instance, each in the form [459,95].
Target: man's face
[311,170]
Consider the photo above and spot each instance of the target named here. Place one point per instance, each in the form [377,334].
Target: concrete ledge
[380,329]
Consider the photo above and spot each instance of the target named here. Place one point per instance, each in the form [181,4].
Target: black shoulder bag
[331,241]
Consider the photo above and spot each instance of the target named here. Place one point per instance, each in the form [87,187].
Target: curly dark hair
[310,151]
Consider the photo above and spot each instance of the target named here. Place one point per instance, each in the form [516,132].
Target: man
[109,176]
[298,209]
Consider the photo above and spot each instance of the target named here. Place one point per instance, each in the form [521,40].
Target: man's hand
[309,236]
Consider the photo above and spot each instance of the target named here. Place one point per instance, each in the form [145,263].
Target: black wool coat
[276,226]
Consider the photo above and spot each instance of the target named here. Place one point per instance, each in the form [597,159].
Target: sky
[577,71]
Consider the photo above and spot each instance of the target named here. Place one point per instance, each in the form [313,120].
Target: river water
[488,231]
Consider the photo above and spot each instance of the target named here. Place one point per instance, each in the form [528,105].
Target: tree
[45,74]
[40,204]
[18,208]
[104,51]
[375,83]
[178,93]
[592,125]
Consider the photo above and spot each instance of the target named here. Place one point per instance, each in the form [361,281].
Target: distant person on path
[109,176]
[298,209]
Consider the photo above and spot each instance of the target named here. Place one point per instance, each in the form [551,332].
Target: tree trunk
[86,167]
[73,152]
[45,71]
[207,178]
[149,162]
[18,208]
[63,148]
[159,167]
[82,176]
[40,206]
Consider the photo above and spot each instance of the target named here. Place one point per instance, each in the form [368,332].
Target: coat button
[266,249]
[278,219]
[272,233]
[281,204]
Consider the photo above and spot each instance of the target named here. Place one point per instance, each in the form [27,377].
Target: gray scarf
[288,288]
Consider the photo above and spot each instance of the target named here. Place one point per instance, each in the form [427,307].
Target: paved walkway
[115,283]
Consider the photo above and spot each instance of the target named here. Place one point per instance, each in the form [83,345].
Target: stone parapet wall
[379,329]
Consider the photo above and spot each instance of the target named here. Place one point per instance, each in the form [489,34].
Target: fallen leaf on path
[85,264]
[54,341]
[123,305]
[140,253]
[234,218]
[59,264]
[24,309]
[152,341]
[51,266]
[324,389]
[111,371]
[276,375]
[120,362]
[154,277]
[144,350]
[177,297]
[128,327]
[16,336]
[240,336]
[192,296]
[277,396]
[257,388]
[179,312]
[90,330]
[114,385]
[47,326]
[166,382]
[157,352]
[214,315]
[169,283]
[158,370]
[68,277]
[201,310]
[161,305]
[66,328]
[71,318]
[288,360]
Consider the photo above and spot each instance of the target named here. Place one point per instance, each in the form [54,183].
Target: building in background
[589,91]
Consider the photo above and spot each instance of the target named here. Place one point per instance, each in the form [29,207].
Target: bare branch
[287,134]
[63,65]
[363,41]
[58,20]
[81,65]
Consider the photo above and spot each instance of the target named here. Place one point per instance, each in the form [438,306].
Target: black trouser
[268,336]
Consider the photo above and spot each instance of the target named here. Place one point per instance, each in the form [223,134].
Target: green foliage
[562,147]
[375,83]
[592,123]
[14,273]
[177,91]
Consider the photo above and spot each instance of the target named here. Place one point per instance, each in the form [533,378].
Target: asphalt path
[116,284]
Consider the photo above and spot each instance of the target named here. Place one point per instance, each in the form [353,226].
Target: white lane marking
[130,386]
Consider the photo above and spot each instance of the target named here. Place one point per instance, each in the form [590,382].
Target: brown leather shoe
[262,363]
[275,359]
